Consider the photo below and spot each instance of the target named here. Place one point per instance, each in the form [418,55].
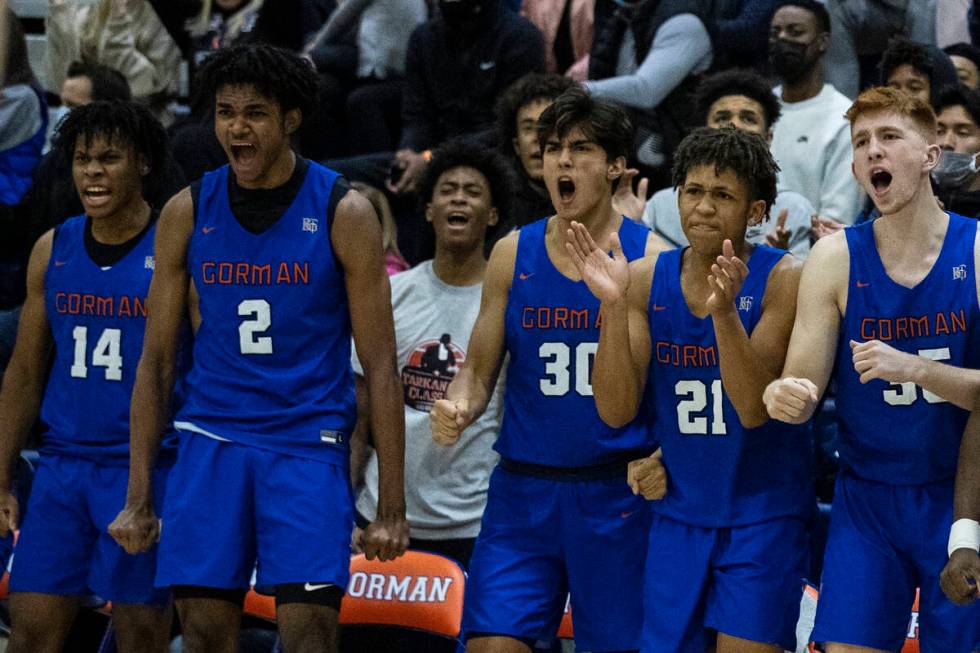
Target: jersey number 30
[558,360]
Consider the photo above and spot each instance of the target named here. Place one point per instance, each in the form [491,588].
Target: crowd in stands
[422,100]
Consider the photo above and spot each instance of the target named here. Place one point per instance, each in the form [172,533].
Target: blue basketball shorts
[232,509]
[543,539]
[884,541]
[65,547]
[743,581]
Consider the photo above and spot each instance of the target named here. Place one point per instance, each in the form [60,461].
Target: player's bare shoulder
[827,269]
[500,268]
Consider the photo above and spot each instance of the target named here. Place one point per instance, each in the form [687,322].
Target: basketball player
[84,316]
[559,517]
[701,331]
[283,264]
[893,305]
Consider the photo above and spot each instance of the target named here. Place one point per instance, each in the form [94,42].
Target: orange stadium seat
[418,591]
[422,591]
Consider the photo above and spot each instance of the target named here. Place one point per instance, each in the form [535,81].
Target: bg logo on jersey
[430,368]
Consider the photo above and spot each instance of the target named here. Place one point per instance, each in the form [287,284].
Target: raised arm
[810,359]
[136,528]
[749,364]
[356,237]
[23,381]
[620,370]
[472,387]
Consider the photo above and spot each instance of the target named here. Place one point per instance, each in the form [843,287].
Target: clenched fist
[648,477]
[448,418]
[790,400]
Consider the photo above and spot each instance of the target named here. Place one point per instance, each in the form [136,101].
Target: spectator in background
[126,35]
[435,305]
[360,55]
[457,65]
[566,26]
[645,57]
[517,118]
[812,141]
[738,33]
[23,127]
[23,117]
[86,83]
[861,31]
[955,178]
[966,60]
[918,69]
[740,99]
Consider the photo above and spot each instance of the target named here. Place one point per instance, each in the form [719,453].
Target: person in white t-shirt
[812,141]
[435,305]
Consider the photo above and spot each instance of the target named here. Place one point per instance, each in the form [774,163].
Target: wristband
[964,534]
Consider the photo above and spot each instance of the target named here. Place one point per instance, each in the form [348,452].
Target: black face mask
[789,60]
[463,15]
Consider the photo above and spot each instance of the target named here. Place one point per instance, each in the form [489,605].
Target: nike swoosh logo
[659,308]
[309,587]
[625,515]
[524,276]
[208,230]
[861,284]
[58,264]
[487,65]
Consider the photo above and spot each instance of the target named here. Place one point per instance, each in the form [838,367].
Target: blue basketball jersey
[552,334]
[272,353]
[97,318]
[721,474]
[899,433]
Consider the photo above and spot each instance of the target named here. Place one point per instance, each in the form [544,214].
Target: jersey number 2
[260,312]
[105,354]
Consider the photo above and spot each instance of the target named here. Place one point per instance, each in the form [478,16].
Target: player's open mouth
[566,189]
[243,152]
[881,180]
[457,219]
[96,195]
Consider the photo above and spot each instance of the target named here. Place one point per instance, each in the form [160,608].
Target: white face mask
[955,170]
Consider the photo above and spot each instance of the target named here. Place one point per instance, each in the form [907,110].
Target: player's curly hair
[276,73]
[527,89]
[736,82]
[744,153]
[458,152]
[132,124]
